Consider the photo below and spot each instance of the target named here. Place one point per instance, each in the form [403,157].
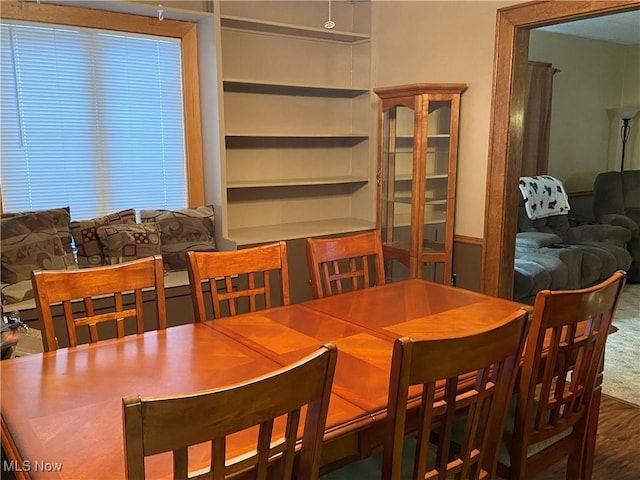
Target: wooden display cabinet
[417,160]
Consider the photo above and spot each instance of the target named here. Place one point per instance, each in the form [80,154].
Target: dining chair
[557,405]
[174,423]
[246,274]
[336,263]
[441,390]
[99,296]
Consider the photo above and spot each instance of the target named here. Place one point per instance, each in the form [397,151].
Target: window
[94,119]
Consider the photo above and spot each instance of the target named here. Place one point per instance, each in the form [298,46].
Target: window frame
[131,23]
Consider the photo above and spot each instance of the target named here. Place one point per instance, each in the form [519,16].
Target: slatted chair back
[172,424]
[343,263]
[558,398]
[99,295]
[487,362]
[247,273]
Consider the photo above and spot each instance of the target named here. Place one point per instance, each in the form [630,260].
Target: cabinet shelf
[288,231]
[263,26]
[256,86]
[293,182]
[401,198]
[407,177]
[409,138]
[360,136]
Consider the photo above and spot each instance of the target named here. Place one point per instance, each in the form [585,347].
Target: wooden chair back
[344,261]
[172,424]
[487,362]
[103,292]
[246,273]
[559,389]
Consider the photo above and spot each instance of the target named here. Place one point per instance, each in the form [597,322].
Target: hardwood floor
[617,446]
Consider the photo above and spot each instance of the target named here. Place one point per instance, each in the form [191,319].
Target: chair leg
[589,447]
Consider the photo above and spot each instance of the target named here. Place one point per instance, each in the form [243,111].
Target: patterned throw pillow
[62,223]
[182,231]
[16,292]
[85,236]
[126,242]
[30,241]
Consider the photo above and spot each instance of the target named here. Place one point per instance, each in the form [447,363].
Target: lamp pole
[624,135]
[625,114]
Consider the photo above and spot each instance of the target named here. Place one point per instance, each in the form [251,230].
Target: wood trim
[193,125]
[587,193]
[511,52]
[123,22]
[87,17]
[475,241]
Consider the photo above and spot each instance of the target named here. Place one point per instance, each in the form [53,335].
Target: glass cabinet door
[397,178]
[436,188]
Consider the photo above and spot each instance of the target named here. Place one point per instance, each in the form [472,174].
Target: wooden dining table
[61,410]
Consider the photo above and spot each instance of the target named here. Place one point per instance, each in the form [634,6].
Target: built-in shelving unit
[297,115]
[265,26]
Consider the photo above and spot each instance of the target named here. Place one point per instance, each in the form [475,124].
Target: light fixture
[329,24]
[625,114]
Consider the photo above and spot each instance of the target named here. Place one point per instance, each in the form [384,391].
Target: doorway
[501,201]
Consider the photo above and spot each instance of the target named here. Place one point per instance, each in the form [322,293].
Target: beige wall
[584,132]
[442,42]
[631,96]
[445,42]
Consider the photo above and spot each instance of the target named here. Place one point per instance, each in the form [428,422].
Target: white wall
[585,134]
[445,42]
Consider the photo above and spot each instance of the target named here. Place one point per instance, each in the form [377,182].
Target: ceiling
[623,28]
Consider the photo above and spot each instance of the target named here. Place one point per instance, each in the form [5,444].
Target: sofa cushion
[631,189]
[529,278]
[182,231]
[16,292]
[634,215]
[529,240]
[62,223]
[85,236]
[30,241]
[126,242]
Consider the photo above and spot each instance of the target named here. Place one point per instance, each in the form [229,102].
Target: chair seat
[371,467]
[503,454]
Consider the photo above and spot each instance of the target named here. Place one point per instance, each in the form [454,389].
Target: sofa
[51,240]
[552,254]
[616,201]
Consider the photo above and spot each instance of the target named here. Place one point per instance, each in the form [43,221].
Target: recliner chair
[616,201]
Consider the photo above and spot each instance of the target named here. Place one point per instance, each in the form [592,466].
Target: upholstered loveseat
[616,201]
[49,239]
[551,254]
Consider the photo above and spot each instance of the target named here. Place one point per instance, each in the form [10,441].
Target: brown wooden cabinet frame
[417,251]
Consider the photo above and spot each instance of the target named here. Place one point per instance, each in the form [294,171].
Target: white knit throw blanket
[544,196]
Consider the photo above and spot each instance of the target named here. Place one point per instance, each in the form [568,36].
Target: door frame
[505,136]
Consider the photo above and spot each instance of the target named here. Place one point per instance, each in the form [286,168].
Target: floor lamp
[625,114]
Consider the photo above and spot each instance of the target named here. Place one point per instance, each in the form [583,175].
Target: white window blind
[90,119]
